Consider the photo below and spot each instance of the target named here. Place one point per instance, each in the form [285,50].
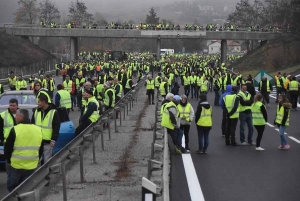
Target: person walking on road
[23,149]
[164,88]
[245,115]
[259,117]
[203,120]
[265,88]
[150,89]
[293,90]
[231,102]
[222,104]
[186,114]
[283,119]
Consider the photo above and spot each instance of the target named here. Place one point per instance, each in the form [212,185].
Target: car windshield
[22,99]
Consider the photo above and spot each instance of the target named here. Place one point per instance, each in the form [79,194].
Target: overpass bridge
[75,33]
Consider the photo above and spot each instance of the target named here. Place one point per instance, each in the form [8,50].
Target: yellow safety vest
[157,83]
[27,144]
[166,121]
[186,81]
[162,90]
[268,85]
[162,108]
[106,97]
[68,87]
[294,86]
[21,84]
[12,81]
[8,123]
[65,99]
[127,86]
[204,87]
[257,117]
[120,91]
[95,115]
[45,93]
[205,119]
[45,124]
[82,80]
[246,97]
[279,116]
[150,84]
[229,103]
[184,112]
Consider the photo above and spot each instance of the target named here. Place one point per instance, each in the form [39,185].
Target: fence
[31,187]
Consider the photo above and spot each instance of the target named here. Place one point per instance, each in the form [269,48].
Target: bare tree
[48,11]
[27,12]
[99,18]
[78,13]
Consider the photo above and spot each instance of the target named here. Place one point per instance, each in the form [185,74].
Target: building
[214,48]
[232,47]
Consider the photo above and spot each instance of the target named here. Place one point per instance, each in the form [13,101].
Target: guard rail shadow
[31,187]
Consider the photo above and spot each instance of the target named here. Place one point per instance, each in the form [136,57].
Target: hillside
[17,52]
[274,56]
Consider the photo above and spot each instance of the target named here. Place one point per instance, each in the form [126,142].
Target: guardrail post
[64,180]
[127,108]
[81,164]
[37,195]
[102,138]
[116,109]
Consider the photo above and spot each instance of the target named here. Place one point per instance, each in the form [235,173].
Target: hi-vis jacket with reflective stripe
[8,123]
[45,124]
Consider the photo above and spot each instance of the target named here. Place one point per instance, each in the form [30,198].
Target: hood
[287,105]
[165,101]
[205,104]
[228,88]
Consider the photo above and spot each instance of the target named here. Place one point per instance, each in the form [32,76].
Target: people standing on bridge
[164,88]
[186,114]
[12,79]
[38,90]
[7,119]
[222,104]
[150,89]
[23,149]
[283,119]
[203,120]
[63,98]
[245,115]
[259,118]
[265,87]
[231,102]
[293,90]
[47,118]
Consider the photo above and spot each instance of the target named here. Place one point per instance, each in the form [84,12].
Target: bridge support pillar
[74,48]
[158,45]
[223,51]
[263,42]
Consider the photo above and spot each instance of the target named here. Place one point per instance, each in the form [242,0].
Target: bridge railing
[31,187]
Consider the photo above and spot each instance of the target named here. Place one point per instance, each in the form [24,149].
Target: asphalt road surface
[74,116]
[239,173]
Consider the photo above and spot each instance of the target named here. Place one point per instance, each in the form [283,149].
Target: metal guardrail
[30,188]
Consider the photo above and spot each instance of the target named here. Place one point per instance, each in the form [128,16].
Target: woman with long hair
[259,118]
[283,119]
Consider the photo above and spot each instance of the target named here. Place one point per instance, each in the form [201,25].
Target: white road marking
[292,138]
[270,125]
[196,193]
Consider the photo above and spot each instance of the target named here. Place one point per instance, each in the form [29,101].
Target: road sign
[258,77]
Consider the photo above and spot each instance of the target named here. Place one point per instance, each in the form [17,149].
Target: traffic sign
[258,77]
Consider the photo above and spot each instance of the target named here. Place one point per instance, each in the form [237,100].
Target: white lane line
[196,193]
[292,138]
[270,125]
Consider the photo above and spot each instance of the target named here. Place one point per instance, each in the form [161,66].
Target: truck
[165,52]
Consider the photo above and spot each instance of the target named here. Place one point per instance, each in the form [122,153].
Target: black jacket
[91,107]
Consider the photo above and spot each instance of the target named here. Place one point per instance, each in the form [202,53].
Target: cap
[177,98]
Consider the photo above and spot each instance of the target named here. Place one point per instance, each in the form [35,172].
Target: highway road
[238,173]
[74,116]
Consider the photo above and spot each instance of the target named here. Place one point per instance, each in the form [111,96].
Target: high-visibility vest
[294,86]
[279,116]
[95,115]
[278,84]
[186,81]
[45,124]
[99,89]
[193,79]
[120,91]
[150,84]
[65,99]
[21,84]
[162,108]
[162,90]
[77,82]
[68,86]
[127,86]
[205,119]
[12,81]
[229,103]
[184,112]
[199,81]
[246,97]
[157,83]
[166,121]
[27,144]
[257,116]
[45,93]
[106,97]
[8,123]
[268,85]
[204,86]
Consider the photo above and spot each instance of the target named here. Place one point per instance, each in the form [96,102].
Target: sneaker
[259,149]
[198,152]
[286,146]
[252,144]
[280,147]
[204,152]
[184,151]
[244,143]
[178,151]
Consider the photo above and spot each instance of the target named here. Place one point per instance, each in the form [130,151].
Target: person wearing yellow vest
[217,89]
[164,88]
[231,103]
[193,79]
[150,89]
[12,79]
[50,86]
[204,86]
[109,96]
[282,120]
[23,149]
[7,119]
[293,90]
[265,87]
[38,90]
[63,98]
[245,115]
[91,112]
[83,101]
[186,114]
[186,84]
[157,82]
[259,118]
[118,89]
[47,118]
[203,120]
[69,86]
[279,85]
[128,85]
[21,84]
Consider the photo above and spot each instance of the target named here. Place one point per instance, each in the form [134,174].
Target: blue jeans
[217,97]
[246,118]
[179,136]
[282,137]
[203,137]
[15,176]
